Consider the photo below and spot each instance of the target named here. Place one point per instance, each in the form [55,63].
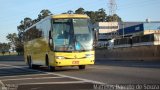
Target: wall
[134,53]
[131,29]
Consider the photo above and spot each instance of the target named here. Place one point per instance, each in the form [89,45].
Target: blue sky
[13,11]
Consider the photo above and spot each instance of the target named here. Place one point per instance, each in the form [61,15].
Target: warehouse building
[111,30]
[105,32]
[128,29]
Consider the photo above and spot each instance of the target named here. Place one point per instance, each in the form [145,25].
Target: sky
[13,11]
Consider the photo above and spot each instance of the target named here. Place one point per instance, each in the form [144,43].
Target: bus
[60,40]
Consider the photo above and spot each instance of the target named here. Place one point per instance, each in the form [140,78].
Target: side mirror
[50,39]
[92,29]
[50,35]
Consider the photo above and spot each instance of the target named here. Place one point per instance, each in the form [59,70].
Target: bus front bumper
[74,62]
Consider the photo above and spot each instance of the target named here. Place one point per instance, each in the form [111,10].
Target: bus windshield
[72,35]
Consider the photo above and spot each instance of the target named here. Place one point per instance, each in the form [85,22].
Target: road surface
[106,74]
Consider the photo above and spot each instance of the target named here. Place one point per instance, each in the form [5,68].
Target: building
[107,30]
[112,30]
[128,29]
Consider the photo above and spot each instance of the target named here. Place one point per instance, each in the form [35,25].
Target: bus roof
[63,16]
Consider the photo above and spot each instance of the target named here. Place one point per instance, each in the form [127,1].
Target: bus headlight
[60,57]
[89,55]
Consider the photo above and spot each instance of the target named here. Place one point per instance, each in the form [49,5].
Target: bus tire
[29,61]
[30,64]
[35,66]
[82,67]
[47,60]
[50,68]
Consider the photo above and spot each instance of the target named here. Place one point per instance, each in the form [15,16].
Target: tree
[24,24]
[19,47]
[16,41]
[4,47]
[101,15]
[114,18]
[44,13]
[69,12]
[92,16]
[27,22]
[12,38]
[3,52]
[97,16]
[80,11]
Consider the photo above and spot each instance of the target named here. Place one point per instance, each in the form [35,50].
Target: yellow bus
[60,40]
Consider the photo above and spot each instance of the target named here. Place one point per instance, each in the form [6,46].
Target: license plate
[75,62]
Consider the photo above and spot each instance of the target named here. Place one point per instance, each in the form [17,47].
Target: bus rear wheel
[35,66]
[29,61]
[81,67]
[30,64]
[51,68]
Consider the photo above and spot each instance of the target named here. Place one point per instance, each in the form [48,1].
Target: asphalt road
[104,75]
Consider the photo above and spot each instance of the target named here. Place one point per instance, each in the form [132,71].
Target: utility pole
[112,7]
[112,11]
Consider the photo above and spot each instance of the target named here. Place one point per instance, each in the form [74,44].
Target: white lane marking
[12,66]
[23,75]
[70,82]
[30,78]
[6,67]
[82,79]
[86,80]
[18,67]
[2,86]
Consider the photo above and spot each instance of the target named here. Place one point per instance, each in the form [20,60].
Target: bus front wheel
[81,67]
[50,68]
